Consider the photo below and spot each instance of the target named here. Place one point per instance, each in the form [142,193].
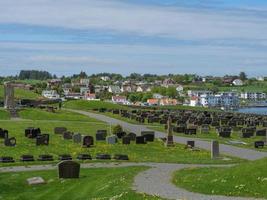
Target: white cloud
[180,23]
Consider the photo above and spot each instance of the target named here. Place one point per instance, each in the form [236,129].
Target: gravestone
[112,139]
[60,130]
[258,144]
[84,157]
[205,129]
[45,157]
[10,142]
[9,102]
[68,169]
[77,138]
[121,134]
[87,141]
[215,149]
[42,139]
[67,135]
[191,144]
[3,133]
[149,135]
[35,181]
[65,157]
[140,140]
[169,141]
[261,132]
[27,158]
[132,136]
[6,159]
[101,156]
[32,132]
[101,135]
[126,140]
[121,157]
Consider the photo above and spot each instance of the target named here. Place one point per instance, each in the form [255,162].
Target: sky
[205,37]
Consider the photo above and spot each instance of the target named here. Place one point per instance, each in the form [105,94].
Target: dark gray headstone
[42,139]
[215,152]
[112,139]
[77,138]
[68,169]
[87,141]
[60,130]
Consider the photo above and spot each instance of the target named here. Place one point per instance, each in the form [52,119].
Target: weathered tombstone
[169,141]
[101,156]
[215,149]
[261,132]
[121,157]
[45,157]
[140,140]
[35,181]
[205,128]
[101,135]
[68,169]
[77,138]
[6,159]
[149,135]
[42,139]
[27,158]
[84,157]
[126,140]
[9,102]
[67,135]
[258,144]
[191,144]
[112,139]
[60,130]
[87,141]
[65,157]
[10,142]
[3,133]
[132,136]
[32,132]
[121,134]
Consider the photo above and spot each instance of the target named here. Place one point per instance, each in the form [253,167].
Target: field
[20,94]
[101,183]
[247,179]
[4,114]
[90,105]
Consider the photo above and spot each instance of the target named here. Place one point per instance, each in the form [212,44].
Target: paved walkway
[243,153]
[154,181]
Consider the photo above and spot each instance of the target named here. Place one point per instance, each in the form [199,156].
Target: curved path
[154,181]
[243,153]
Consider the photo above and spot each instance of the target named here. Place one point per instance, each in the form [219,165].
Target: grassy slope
[62,115]
[4,114]
[89,105]
[247,179]
[154,152]
[101,183]
[20,94]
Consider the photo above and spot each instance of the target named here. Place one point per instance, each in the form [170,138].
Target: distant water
[254,110]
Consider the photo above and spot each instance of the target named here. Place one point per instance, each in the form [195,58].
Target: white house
[104,78]
[198,93]
[119,100]
[238,82]
[50,94]
[90,97]
[219,101]
[114,89]
[143,88]
[194,101]
[179,88]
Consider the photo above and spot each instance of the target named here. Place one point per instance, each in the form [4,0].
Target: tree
[117,129]
[243,76]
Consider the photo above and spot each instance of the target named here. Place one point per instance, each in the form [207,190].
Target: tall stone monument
[215,152]
[9,102]
[169,141]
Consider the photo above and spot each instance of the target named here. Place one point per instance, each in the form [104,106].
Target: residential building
[90,96]
[194,101]
[238,82]
[254,96]
[74,96]
[54,83]
[168,82]
[128,87]
[168,102]
[143,88]
[50,94]
[198,93]
[104,78]
[114,89]
[157,96]
[153,102]
[179,88]
[119,99]
[219,101]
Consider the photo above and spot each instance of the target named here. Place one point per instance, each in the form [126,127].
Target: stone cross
[169,141]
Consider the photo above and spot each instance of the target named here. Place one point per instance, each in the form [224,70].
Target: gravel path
[154,181]
[243,153]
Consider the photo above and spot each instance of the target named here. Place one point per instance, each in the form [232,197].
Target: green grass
[20,94]
[90,105]
[4,114]
[151,152]
[100,183]
[246,180]
[60,115]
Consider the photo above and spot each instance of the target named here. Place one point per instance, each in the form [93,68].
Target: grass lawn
[61,115]
[246,180]
[4,114]
[20,93]
[100,183]
[90,105]
[151,152]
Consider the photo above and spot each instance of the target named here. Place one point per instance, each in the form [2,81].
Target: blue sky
[213,37]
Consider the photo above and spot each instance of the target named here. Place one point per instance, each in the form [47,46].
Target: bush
[117,129]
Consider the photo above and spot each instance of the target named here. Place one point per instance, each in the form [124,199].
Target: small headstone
[65,157]
[42,139]
[121,157]
[3,133]
[191,144]
[32,132]
[258,144]
[132,136]
[101,135]
[67,135]
[77,138]
[27,158]
[140,140]
[121,134]
[10,142]
[60,130]
[215,149]
[87,141]
[45,157]
[68,169]
[84,157]
[35,181]
[6,159]
[112,139]
[126,140]
[101,156]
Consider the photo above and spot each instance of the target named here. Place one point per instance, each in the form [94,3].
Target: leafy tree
[243,76]
[117,129]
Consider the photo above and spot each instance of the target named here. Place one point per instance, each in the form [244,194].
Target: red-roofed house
[153,102]
[119,99]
